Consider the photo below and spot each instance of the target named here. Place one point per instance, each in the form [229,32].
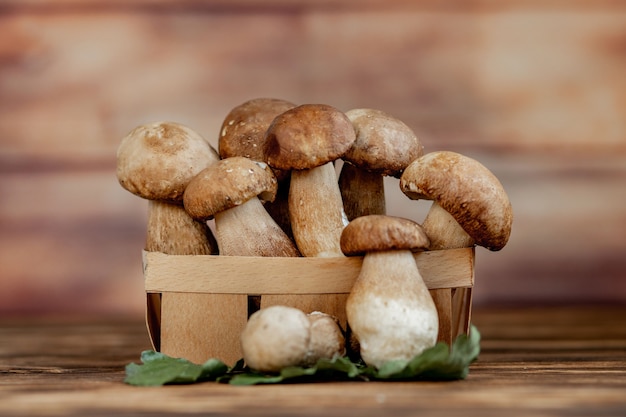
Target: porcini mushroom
[470,207]
[327,338]
[243,134]
[231,191]
[279,336]
[156,161]
[306,140]
[384,146]
[390,310]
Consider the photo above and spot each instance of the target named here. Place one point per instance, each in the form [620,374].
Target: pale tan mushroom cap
[327,339]
[467,190]
[228,183]
[275,337]
[156,161]
[384,144]
[308,136]
[377,232]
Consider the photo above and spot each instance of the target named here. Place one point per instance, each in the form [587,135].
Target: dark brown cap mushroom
[390,310]
[378,232]
[307,139]
[466,190]
[308,136]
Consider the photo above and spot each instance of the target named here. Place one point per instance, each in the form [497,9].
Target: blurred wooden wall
[534,90]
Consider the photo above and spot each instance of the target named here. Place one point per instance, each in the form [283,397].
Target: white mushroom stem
[316,210]
[248,230]
[444,231]
[362,191]
[390,309]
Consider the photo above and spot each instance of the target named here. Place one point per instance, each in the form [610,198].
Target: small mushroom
[231,192]
[390,310]
[384,146]
[279,336]
[327,338]
[243,134]
[156,162]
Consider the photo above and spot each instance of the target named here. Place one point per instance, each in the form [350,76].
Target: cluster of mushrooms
[272,189]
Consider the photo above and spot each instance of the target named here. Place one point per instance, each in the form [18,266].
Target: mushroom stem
[248,230]
[316,210]
[390,309]
[172,231]
[362,191]
[444,231]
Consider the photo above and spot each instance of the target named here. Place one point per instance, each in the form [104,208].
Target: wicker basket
[175,283]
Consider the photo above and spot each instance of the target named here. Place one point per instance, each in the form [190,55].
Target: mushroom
[306,140]
[327,338]
[279,336]
[156,161]
[243,134]
[469,207]
[384,146]
[231,191]
[390,310]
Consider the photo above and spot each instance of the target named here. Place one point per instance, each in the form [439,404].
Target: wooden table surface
[534,361]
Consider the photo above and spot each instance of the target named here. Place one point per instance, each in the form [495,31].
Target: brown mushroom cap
[467,190]
[308,136]
[243,129]
[156,161]
[384,144]
[377,232]
[228,183]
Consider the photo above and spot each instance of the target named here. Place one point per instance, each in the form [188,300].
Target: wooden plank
[566,361]
[258,275]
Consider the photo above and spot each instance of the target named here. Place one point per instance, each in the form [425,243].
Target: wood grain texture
[534,90]
[557,361]
[283,275]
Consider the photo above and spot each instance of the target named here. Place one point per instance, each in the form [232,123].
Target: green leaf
[439,363]
[325,369]
[160,369]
